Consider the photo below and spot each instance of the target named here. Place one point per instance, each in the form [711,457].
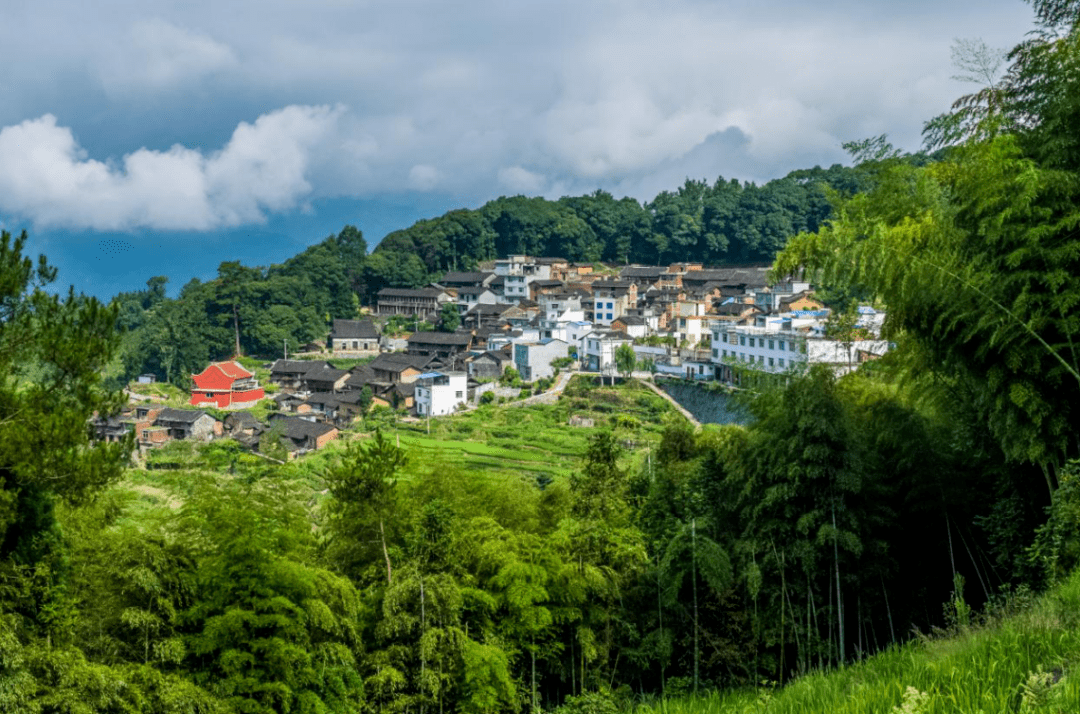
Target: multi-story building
[439,393]
[424,303]
[777,344]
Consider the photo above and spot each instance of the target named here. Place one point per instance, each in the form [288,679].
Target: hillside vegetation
[1023,657]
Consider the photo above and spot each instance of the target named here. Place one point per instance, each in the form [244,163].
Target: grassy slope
[986,669]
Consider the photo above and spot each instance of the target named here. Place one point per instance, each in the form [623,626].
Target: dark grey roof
[741,275]
[186,416]
[612,284]
[643,271]
[471,290]
[630,320]
[406,292]
[324,398]
[497,355]
[355,329]
[440,338]
[325,375]
[297,366]
[359,376]
[463,278]
[547,283]
[398,362]
[297,428]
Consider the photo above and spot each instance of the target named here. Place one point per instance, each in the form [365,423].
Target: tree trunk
[236,327]
[693,561]
[839,603]
[386,554]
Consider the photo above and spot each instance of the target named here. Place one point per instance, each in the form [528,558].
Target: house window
[782,346]
[781,361]
[715,352]
[751,341]
[725,353]
[770,344]
[770,361]
[760,359]
[458,395]
[146,434]
[742,340]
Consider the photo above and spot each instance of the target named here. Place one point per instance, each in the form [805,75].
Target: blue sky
[160,138]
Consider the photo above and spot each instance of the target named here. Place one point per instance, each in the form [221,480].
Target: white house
[533,359]
[600,347]
[439,393]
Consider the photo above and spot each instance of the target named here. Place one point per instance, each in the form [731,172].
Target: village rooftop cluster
[535,315]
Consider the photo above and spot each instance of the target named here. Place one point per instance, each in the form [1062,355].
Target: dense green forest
[847,514]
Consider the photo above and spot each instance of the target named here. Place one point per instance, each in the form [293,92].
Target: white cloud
[47,177]
[156,54]
[518,180]
[423,177]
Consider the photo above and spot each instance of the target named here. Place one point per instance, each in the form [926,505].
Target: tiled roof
[232,369]
[186,416]
[405,292]
[355,329]
[440,338]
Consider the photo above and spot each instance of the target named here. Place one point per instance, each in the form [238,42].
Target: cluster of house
[155,425]
[527,312]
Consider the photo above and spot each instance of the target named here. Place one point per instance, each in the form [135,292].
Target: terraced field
[536,441]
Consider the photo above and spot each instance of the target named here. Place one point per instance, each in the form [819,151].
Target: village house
[325,378]
[439,344]
[439,393]
[300,436]
[188,424]
[631,325]
[425,303]
[288,374]
[397,367]
[358,338]
[490,364]
[533,359]
[225,385]
[469,297]
[600,348]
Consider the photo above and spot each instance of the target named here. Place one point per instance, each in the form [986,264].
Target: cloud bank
[261,107]
[48,178]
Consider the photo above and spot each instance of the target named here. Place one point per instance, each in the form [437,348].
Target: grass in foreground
[1028,663]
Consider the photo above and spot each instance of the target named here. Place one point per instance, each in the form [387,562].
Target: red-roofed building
[225,385]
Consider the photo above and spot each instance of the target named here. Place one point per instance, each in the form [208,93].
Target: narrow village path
[665,395]
[550,396]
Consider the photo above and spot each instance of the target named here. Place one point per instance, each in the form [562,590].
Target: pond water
[707,407]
